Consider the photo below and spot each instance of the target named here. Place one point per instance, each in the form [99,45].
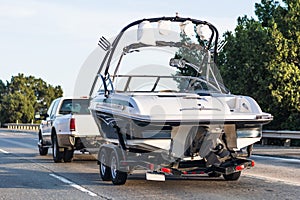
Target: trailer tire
[118,177]
[57,155]
[232,177]
[105,171]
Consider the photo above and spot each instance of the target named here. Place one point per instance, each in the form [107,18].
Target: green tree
[2,93]
[44,93]
[285,68]
[261,59]
[24,96]
[19,101]
[266,11]
[243,61]
[17,108]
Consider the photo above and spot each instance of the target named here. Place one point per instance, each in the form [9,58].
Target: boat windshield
[156,60]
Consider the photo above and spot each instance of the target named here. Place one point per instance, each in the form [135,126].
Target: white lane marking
[277,158]
[78,187]
[3,151]
[273,180]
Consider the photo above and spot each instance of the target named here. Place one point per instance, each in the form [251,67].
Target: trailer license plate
[155,177]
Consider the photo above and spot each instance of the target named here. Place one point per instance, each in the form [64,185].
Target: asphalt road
[26,175]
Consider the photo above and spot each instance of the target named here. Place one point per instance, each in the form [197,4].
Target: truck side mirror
[39,116]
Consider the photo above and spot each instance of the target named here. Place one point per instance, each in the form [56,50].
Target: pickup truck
[68,126]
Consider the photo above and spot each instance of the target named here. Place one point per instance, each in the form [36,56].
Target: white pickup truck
[68,126]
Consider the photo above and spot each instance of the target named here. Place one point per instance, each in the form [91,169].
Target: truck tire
[117,177]
[43,150]
[68,155]
[105,172]
[57,155]
[232,177]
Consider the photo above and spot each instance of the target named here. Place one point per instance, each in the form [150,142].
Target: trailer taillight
[72,124]
[240,167]
[166,170]
[252,163]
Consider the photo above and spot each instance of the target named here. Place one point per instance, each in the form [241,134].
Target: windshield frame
[210,46]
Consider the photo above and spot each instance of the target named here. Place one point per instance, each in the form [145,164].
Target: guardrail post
[287,142]
[14,126]
[264,141]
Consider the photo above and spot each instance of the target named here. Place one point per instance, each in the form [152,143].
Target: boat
[158,91]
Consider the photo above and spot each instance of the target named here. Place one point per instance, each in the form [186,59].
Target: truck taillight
[72,124]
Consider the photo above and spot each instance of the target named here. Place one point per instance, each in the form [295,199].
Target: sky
[51,39]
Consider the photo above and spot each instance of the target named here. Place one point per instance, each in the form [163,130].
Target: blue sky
[50,39]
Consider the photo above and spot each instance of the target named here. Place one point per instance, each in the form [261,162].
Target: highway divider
[18,126]
[281,138]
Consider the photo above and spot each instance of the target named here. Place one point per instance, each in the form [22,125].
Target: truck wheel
[118,177]
[68,155]
[232,177]
[57,155]
[43,150]
[105,172]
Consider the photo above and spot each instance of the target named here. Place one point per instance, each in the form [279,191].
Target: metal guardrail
[285,134]
[283,137]
[15,126]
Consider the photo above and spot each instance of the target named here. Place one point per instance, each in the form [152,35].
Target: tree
[243,61]
[17,108]
[266,12]
[285,68]
[24,96]
[2,93]
[262,57]
[44,93]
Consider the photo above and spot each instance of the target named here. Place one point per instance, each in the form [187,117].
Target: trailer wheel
[105,172]
[118,177]
[232,177]
[68,155]
[57,155]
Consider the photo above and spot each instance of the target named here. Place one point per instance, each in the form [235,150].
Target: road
[26,175]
